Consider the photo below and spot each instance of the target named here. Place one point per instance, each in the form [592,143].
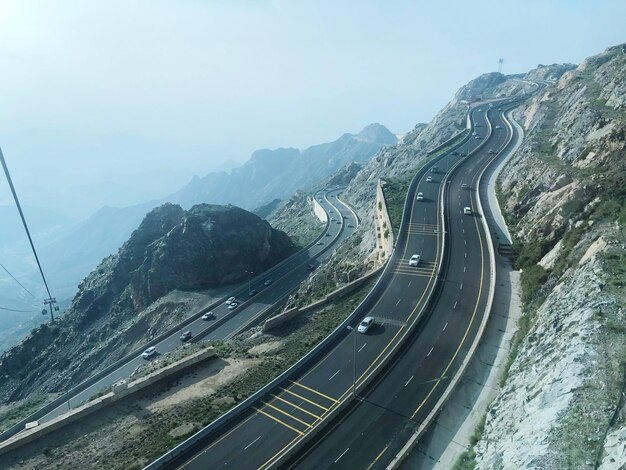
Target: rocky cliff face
[204,247]
[564,192]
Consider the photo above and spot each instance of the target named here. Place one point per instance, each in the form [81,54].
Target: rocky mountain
[205,247]
[397,163]
[271,174]
[564,192]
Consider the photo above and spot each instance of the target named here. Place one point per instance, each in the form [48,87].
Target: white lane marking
[455,302]
[409,285]
[246,447]
[466,255]
[407,382]
[431,350]
[464,268]
[398,302]
[461,286]
[445,326]
[344,453]
[361,348]
[333,376]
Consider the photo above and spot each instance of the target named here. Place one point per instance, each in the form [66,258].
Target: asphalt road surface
[385,416]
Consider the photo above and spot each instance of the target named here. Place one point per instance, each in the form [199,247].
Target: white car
[267,283]
[148,353]
[429,179]
[365,325]
[498,127]
[208,316]
[230,300]
[415,260]
[420,196]
[233,306]
[464,186]
[467,210]
[491,151]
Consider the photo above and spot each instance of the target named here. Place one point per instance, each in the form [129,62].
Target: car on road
[267,283]
[429,179]
[339,222]
[464,186]
[474,133]
[319,243]
[230,300]
[332,219]
[420,196]
[467,210]
[186,336]
[462,154]
[328,234]
[480,110]
[415,260]
[148,353]
[477,124]
[491,151]
[208,316]
[350,226]
[310,267]
[253,292]
[233,306]
[478,137]
[498,127]
[435,169]
[365,325]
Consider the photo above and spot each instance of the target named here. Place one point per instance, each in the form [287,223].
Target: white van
[415,260]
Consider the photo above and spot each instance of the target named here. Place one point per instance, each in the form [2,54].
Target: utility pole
[51,301]
[53,307]
[353,361]
[250,273]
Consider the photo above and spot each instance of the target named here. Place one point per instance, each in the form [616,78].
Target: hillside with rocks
[396,164]
[118,306]
[564,195]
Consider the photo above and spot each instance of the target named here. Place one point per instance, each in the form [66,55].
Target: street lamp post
[250,273]
[353,361]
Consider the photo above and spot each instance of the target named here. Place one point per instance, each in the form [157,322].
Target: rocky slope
[564,192]
[205,247]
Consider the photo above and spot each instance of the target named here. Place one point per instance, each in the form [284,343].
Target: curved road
[286,418]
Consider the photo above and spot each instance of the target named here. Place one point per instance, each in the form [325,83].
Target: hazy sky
[90,91]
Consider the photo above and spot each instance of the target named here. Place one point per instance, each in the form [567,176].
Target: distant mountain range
[272,174]
[74,251]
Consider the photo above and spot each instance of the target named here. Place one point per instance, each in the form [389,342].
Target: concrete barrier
[384,244]
[292,313]
[34,431]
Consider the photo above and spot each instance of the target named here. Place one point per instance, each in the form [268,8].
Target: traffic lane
[395,407]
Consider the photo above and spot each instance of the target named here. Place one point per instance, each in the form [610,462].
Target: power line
[15,310]
[50,300]
[31,294]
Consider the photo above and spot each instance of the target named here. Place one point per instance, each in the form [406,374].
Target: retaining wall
[384,245]
[34,431]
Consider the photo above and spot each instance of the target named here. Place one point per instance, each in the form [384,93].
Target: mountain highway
[284,279]
[374,429]
[287,416]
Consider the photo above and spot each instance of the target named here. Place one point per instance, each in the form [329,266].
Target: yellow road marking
[480,289]
[378,457]
[269,462]
[305,399]
[296,406]
[287,414]
[279,421]
[313,390]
